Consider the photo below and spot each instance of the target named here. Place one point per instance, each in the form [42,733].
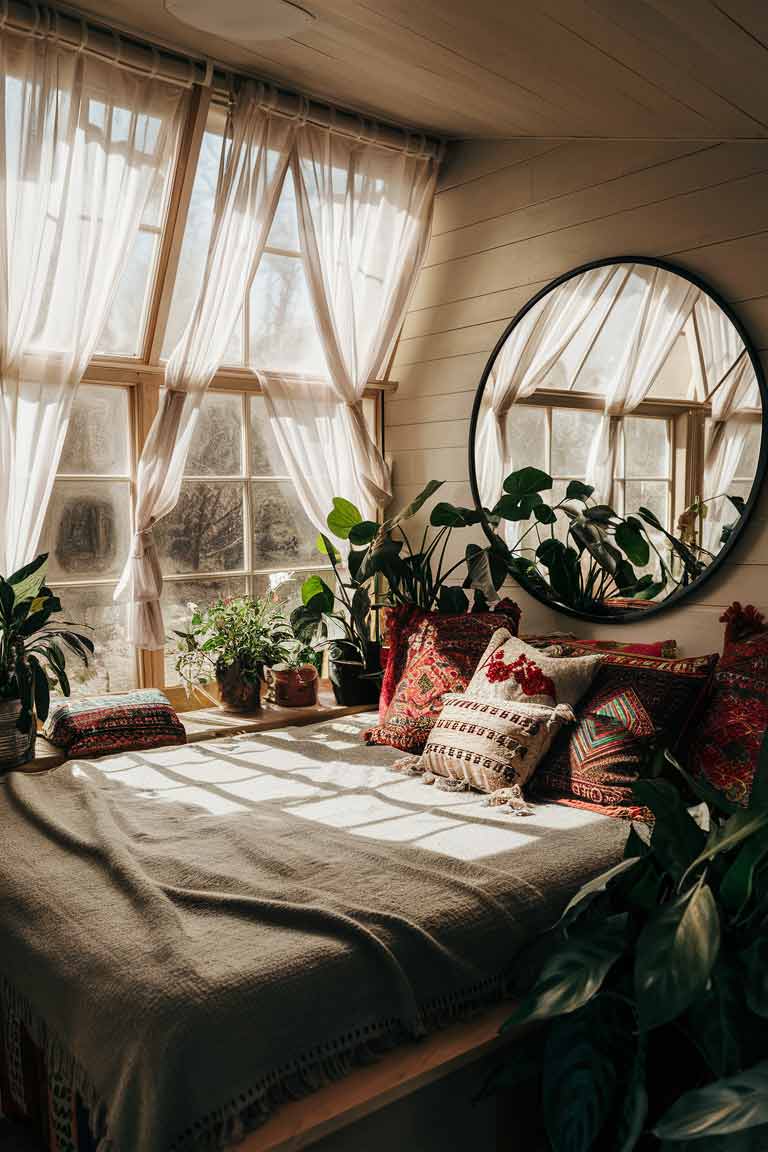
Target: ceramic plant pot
[15,747]
[239,691]
[294,687]
[351,680]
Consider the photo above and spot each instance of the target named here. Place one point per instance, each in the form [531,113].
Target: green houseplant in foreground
[583,554]
[654,985]
[384,570]
[233,640]
[33,649]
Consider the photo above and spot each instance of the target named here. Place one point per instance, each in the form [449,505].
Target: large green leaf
[486,570]
[544,514]
[326,547]
[40,688]
[631,1122]
[716,800]
[676,838]
[28,581]
[574,972]
[737,828]
[593,888]
[414,506]
[731,1105]
[579,1080]
[526,481]
[445,515]
[674,956]
[315,590]
[578,491]
[362,533]
[737,884]
[343,516]
[632,542]
[452,600]
[517,507]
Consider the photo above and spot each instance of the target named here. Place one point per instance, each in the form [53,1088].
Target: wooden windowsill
[206,723]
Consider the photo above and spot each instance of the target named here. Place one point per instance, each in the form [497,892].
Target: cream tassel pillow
[510,669]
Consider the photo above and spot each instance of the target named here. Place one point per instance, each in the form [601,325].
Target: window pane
[87,529]
[284,232]
[572,434]
[282,534]
[646,494]
[123,333]
[646,446]
[266,458]
[114,666]
[283,335]
[216,448]
[98,435]
[177,596]
[204,532]
[526,436]
[750,453]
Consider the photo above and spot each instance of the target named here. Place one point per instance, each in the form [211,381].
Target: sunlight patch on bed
[213,770]
[342,774]
[412,790]
[209,803]
[468,843]
[266,787]
[143,777]
[349,811]
[406,829]
[561,816]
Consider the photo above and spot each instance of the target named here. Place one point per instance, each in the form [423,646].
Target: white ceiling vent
[242,21]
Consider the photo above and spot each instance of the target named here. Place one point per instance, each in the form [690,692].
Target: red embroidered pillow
[442,653]
[726,746]
[401,623]
[103,725]
[510,669]
[635,701]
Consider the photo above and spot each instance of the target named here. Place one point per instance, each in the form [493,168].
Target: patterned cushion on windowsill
[635,701]
[726,745]
[664,649]
[102,725]
[442,652]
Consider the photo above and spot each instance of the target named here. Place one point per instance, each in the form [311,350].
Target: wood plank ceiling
[598,69]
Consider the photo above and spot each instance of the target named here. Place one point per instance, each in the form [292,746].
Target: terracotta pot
[351,681]
[15,747]
[239,691]
[294,687]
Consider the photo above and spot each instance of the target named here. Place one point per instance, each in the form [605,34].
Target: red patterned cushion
[442,653]
[103,725]
[660,648]
[725,748]
[635,701]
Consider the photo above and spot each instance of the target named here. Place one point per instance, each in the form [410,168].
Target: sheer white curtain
[364,219]
[663,308]
[83,144]
[249,186]
[528,356]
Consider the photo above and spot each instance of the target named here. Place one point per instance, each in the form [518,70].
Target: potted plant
[233,641]
[654,985]
[33,648]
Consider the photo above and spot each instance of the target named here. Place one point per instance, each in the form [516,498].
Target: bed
[195,936]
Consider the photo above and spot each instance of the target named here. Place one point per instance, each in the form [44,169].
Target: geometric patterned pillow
[635,701]
[442,653]
[103,725]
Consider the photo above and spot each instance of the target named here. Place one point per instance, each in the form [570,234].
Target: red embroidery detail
[527,674]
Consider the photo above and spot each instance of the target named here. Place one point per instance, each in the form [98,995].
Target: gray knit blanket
[197,934]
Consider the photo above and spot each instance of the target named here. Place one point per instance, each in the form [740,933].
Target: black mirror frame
[627,616]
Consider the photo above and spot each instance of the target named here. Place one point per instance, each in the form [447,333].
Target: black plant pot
[354,683]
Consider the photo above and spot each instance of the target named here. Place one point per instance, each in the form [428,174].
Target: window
[87,531]
[276,331]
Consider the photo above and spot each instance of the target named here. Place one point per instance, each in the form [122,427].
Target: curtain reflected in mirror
[617,438]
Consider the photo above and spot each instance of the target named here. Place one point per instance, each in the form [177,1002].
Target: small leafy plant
[654,985]
[34,646]
[595,562]
[249,632]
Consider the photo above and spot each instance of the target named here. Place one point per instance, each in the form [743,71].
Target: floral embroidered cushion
[490,744]
[442,652]
[726,745]
[636,702]
[510,669]
[100,725]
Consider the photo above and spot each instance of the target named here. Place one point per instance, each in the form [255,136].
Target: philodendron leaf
[362,533]
[315,586]
[594,887]
[326,547]
[544,514]
[343,516]
[574,972]
[728,1106]
[480,572]
[526,481]
[676,838]
[517,507]
[578,491]
[452,600]
[445,515]
[737,828]
[675,953]
[633,542]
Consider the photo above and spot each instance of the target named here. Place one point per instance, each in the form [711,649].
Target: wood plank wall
[509,216]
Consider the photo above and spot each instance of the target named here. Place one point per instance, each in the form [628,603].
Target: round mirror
[616,440]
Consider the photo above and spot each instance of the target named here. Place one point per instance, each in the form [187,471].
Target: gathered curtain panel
[364,215]
[731,387]
[83,145]
[533,349]
[250,180]
[661,309]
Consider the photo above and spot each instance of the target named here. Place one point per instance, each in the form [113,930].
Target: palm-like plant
[33,646]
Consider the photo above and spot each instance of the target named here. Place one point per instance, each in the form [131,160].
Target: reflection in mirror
[617,438]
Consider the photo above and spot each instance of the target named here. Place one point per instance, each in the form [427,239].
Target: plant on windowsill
[593,561]
[383,570]
[33,649]
[233,640]
[654,985]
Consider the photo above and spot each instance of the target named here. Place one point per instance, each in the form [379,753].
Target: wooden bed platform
[403,1071]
